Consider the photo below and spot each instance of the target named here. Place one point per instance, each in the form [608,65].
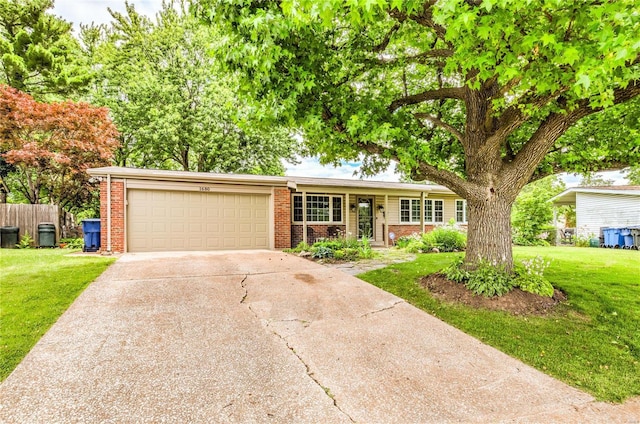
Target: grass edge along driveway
[36,287]
[591,342]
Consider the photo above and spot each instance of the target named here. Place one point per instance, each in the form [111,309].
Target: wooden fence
[28,217]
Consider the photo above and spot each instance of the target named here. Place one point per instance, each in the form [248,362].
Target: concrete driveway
[269,337]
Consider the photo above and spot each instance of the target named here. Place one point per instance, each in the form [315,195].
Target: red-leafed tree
[51,145]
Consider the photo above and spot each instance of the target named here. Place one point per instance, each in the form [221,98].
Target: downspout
[108,213]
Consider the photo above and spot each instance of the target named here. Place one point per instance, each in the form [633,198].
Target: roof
[296,183]
[568,197]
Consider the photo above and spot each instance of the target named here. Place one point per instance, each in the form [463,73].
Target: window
[410,210]
[433,210]
[320,208]
[461,211]
[297,208]
[337,209]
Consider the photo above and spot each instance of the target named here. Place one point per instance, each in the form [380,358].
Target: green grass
[36,287]
[591,342]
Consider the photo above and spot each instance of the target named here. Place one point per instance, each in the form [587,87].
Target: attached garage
[163,220]
[144,210]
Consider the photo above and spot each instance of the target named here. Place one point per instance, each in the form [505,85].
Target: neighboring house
[152,210]
[597,207]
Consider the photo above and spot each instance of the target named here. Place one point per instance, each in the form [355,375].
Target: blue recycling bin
[608,237]
[91,230]
[615,240]
[626,238]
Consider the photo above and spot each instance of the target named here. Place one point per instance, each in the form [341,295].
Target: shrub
[489,280]
[341,248]
[321,251]
[365,251]
[455,272]
[301,247]
[404,241]
[72,243]
[26,241]
[534,284]
[530,277]
[445,239]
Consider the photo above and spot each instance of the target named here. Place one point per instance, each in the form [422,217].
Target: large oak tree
[474,95]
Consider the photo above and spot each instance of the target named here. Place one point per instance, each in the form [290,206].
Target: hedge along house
[153,210]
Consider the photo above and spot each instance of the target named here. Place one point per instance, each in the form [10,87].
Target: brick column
[282,218]
[117,216]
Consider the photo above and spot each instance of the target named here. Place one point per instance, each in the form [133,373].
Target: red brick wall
[314,232]
[407,230]
[282,218]
[117,216]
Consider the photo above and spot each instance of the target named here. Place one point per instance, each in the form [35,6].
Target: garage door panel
[171,220]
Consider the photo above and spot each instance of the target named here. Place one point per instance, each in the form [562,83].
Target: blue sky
[87,11]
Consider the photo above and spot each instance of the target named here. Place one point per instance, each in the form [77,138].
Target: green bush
[455,272]
[301,247]
[489,280]
[321,251]
[341,248]
[26,241]
[72,243]
[365,251]
[534,284]
[445,239]
[529,277]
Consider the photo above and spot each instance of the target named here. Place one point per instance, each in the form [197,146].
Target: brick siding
[315,232]
[282,218]
[117,216]
[407,230]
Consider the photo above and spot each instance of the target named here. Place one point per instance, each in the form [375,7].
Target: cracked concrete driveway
[269,337]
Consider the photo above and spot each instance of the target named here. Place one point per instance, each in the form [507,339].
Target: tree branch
[387,38]
[531,154]
[440,123]
[425,96]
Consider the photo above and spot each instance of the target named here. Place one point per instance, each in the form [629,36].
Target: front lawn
[592,341]
[36,287]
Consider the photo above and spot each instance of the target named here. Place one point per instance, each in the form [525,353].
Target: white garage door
[160,220]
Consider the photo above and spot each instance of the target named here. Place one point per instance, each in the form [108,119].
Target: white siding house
[597,207]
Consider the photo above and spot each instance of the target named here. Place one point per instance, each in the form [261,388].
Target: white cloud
[310,167]
[87,11]
[573,180]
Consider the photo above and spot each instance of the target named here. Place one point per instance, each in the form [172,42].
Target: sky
[87,11]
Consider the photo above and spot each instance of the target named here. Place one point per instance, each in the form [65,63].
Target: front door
[365,217]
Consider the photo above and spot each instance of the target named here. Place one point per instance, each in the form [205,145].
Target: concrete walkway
[270,337]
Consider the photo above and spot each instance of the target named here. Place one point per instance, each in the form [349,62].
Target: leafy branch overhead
[508,77]
[480,96]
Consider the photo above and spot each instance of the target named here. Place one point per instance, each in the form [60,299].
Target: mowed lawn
[592,341]
[36,287]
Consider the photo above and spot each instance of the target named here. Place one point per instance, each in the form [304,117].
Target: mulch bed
[516,302]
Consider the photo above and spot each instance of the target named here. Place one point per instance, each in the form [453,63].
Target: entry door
[365,217]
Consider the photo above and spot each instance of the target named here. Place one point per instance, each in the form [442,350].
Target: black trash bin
[47,234]
[9,237]
[91,230]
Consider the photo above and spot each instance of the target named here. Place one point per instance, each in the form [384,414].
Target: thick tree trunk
[489,232]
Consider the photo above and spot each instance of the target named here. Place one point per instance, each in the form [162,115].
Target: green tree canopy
[38,53]
[532,213]
[174,108]
[475,95]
